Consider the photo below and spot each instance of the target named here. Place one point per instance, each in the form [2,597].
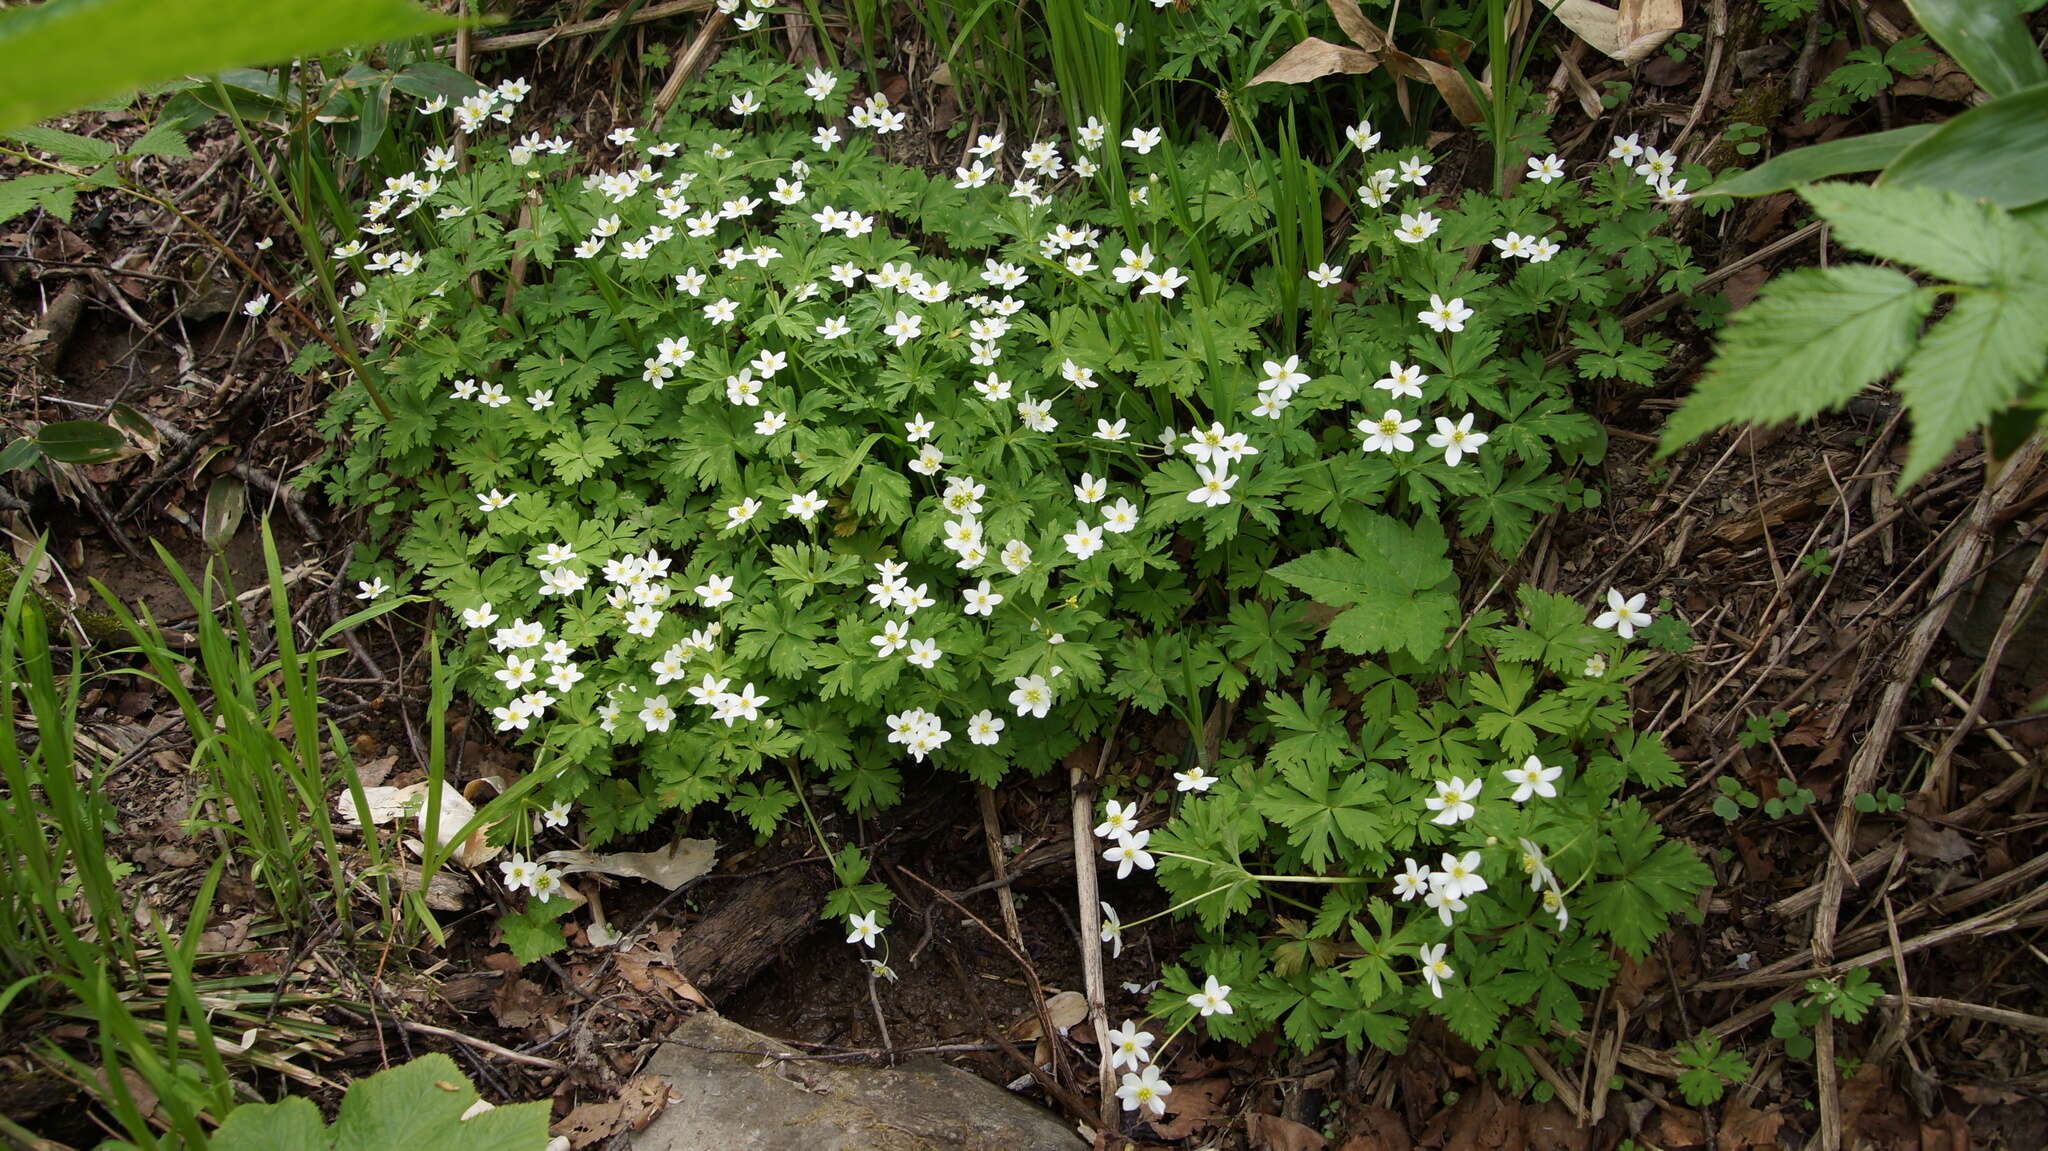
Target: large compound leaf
[1969,367]
[1395,582]
[66,54]
[1813,339]
[1938,231]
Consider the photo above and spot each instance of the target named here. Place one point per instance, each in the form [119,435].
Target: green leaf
[1988,38]
[1933,229]
[64,55]
[1997,152]
[1396,584]
[533,934]
[18,454]
[419,1104]
[68,147]
[1813,339]
[25,192]
[80,442]
[1866,153]
[1973,364]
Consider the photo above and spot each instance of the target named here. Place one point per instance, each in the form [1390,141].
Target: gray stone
[746,1102]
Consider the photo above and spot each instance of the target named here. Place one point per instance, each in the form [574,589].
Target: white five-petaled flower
[1417,228]
[1623,615]
[1389,433]
[1144,1091]
[1457,440]
[1128,852]
[1128,1046]
[1084,541]
[1031,696]
[518,872]
[1117,819]
[371,588]
[1458,875]
[1326,275]
[1547,170]
[1453,800]
[1533,778]
[1402,382]
[1445,315]
[1213,486]
[1212,999]
[862,929]
[1412,882]
[1193,779]
[1434,969]
[1143,140]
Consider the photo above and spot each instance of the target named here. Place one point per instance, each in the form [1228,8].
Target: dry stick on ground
[1088,893]
[581,27]
[1076,1106]
[992,833]
[687,65]
[2018,1020]
[2015,614]
[1970,545]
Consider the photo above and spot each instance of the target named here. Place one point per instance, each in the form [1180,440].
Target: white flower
[656,714]
[1548,170]
[1515,246]
[1090,489]
[904,328]
[1533,778]
[1193,779]
[862,929]
[980,599]
[894,637]
[771,423]
[1105,430]
[1542,249]
[1458,875]
[371,588]
[715,590]
[1031,697]
[1084,541]
[1143,140]
[1389,433]
[1362,137]
[1434,969]
[257,305]
[1453,800]
[1457,440]
[555,814]
[1623,615]
[1120,517]
[1413,170]
[516,673]
[1417,228]
[479,616]
[1130,852]
[518,872]
[1117,819]
[1533,865]
[1112,930]
[984,728]
[1445,316]
[924,653]
[495,500]
[804,505]
[1413,881]
[1127,1046]
[1326,275]
[1214,487]
[1445,903]
[1212,999]
[1626,148]
[1596,666]
[1402,382]
[1016,557]
[1144,1091]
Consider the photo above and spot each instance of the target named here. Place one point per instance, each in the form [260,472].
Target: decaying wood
[749,928]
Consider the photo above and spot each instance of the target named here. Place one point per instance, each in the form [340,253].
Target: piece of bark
[747,929]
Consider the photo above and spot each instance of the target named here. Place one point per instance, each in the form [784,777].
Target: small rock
[723,1101]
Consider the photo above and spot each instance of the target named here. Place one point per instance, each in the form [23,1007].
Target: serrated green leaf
[68,147]
[25,192]
[1970,366]
[1395,585]
[1813,339]
[1933,229]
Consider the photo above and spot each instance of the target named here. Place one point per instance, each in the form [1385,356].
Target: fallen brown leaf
[1194,1106]
[1272,1133]
[1743,1127]
[671,867]
[642,1099]
[1378,1129]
